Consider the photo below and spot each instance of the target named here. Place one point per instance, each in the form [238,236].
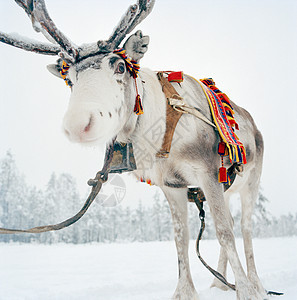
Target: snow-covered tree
[156,219]
[14,199]
[22,206]
[166,222]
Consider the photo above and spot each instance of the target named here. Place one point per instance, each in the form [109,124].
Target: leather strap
[172,115]
[175,107]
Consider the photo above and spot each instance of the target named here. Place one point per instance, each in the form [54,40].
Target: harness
[119,158]
[176,107]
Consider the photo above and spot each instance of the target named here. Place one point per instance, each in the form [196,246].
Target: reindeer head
[103,89]
[103,92]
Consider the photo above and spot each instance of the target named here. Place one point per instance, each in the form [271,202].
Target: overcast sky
[249,48]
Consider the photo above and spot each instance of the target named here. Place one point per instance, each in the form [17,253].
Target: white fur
[97,90]
[96,94]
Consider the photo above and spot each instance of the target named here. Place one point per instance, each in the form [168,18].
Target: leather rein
[96,185]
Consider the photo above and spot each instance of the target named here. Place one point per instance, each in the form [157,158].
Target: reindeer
[101,109]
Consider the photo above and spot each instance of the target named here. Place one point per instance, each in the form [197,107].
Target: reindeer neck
[147,130]
[153,101]
[150,125]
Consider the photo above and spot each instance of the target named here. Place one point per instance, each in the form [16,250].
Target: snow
[24,39]
[142,271]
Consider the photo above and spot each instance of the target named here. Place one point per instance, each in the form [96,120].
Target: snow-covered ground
[136,271]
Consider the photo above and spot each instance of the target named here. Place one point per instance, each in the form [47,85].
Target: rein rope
[96,184]
[197,195]
[102,176]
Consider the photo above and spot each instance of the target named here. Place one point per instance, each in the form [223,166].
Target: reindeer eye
[120,68]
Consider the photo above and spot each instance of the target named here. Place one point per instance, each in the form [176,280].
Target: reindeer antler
[21,42]
[41,22]
[134,15]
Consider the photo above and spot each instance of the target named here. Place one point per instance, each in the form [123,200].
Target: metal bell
[123,158]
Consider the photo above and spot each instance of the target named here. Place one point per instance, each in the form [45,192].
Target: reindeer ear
[137,45]
[54,69]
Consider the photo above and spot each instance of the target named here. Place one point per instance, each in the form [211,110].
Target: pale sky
[249,48]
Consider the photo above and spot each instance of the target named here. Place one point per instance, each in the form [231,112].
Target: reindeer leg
[177,199]
[223,259]
[214,195]
[248,199]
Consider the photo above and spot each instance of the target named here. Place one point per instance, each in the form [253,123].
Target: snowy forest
[23,206]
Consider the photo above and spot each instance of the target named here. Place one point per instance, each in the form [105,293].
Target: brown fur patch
[204,148]
[249,154]
[175,179]
[259,142]
[120,81]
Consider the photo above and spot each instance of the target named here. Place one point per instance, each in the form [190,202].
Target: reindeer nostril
[88,127]
[67,133]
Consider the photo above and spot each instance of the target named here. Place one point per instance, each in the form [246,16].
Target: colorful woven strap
[223,116]
[132,66]
[209,82]
[64,72]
